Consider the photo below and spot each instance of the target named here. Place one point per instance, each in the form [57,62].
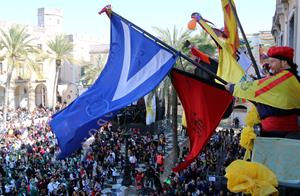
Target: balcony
[20,80]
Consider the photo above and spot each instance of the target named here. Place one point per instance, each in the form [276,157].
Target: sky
[81,16]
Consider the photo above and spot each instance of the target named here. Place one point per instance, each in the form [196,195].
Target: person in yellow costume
[277,96]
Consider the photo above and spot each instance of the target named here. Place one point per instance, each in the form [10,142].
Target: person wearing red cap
[275,121]
[281,58]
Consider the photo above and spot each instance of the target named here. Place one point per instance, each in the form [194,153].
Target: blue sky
[80,16]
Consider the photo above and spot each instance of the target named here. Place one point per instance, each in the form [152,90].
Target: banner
[135,66]
[150,102]
[204,104]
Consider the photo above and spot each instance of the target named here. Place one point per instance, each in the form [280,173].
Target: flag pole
[171,49]
[245,39]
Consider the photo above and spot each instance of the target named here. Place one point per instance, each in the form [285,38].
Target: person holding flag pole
[276,97]
[277,101]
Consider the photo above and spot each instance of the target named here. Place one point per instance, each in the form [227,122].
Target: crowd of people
[28,165]
[205,176]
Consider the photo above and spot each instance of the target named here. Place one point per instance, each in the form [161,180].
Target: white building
[260,43]
[51,20]
[38,90]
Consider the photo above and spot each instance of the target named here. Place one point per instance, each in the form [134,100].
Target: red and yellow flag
[280,91]
[230,27]
[228,68]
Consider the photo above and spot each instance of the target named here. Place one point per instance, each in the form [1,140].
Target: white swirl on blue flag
[135,66]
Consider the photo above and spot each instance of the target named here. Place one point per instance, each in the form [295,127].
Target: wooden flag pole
[245,39]
[171,49]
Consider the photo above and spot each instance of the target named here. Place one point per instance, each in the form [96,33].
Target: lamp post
[127,176]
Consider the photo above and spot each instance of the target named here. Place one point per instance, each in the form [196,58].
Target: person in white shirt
[52,186]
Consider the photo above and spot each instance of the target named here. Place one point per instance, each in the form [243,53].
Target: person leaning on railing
[275,122]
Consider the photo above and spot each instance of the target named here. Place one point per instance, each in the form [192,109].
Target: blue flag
[135,66]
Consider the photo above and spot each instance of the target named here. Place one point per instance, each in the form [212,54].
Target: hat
[281,52]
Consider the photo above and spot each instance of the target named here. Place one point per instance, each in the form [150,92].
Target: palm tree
[176,40]
[91,72]
[17,49]
[203,42]
[61,51]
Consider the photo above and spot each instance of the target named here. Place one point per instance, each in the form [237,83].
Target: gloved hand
[227,86]
[187,44]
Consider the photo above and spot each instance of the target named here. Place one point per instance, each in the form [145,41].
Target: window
[40,69]
[1,68]
[82,71]
[279,39]
[291,31]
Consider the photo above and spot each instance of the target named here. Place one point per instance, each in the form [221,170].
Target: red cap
[281,52]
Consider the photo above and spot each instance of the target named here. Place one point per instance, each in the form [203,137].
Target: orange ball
[192,24]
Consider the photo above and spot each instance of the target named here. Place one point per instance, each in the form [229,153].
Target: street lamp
[127,177]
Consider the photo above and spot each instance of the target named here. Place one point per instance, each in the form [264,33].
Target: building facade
[286,26]
[30,90]
[260,43]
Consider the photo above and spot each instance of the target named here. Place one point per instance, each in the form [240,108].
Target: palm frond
[17,47]
[92,72]
[61,48]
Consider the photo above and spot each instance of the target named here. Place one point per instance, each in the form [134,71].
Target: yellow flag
[281,91]
[228,68]
[150,108]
